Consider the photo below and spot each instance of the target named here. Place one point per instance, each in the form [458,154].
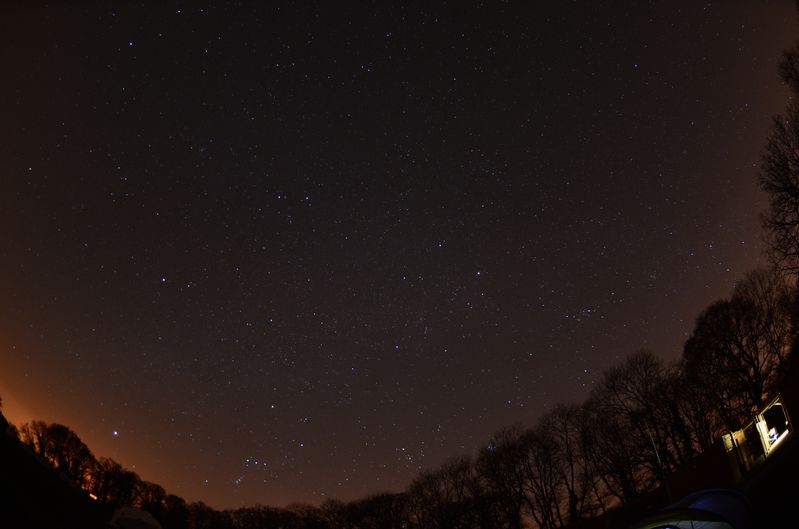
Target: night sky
[276,254]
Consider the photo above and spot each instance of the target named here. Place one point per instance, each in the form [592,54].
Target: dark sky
[274,254]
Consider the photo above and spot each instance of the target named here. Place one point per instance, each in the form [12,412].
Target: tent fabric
[132,518]
[704,509]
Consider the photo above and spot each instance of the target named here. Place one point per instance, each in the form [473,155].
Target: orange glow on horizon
[13,410]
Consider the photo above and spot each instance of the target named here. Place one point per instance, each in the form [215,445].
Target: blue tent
[704,509]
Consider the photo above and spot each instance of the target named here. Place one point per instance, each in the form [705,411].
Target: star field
[267,254]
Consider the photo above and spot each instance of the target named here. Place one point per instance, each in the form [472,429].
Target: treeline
[643,419]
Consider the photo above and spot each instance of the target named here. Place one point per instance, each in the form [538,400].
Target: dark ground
[32,496]
[773,488]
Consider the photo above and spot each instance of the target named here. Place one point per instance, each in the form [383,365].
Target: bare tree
[741,344]
[150,497]
[258,516]
[704,359]
[377,511]
[779,174]
[307,516]
[632,392]
[61,447]
[201,516]
[613,450]
[564,423]
[670,400]
[440,499]
[176,513]
[779,178]
[698,404]
[112,483]
[543,485]
[500,465]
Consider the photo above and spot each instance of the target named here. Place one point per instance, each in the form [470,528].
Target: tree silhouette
[176,513]
[542,478]
[149,497]
[779,174]
[612,453]
[377,511]
[61,447]
[699,403]
[441,498]
[741,344]
[499,464]
[564,423]
[112,483]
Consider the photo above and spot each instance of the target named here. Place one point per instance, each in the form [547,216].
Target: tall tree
[741,344]
[112,483]
[61,447]
[779,174]
[150,497]
[614,449]
[543,485]
[500,465]
[633,391]
[176,513]
[441,498]
[779,178]
[564,423]
[705,359]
